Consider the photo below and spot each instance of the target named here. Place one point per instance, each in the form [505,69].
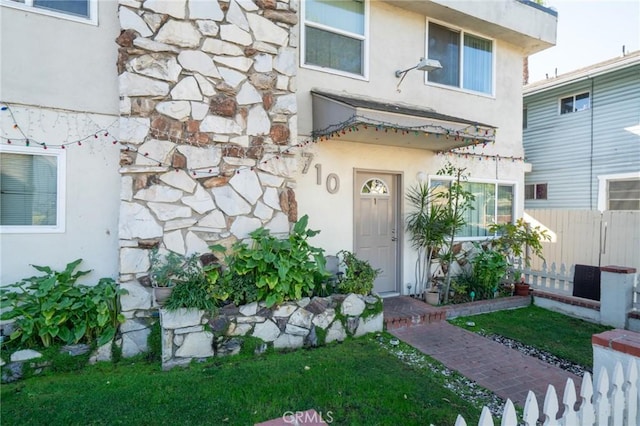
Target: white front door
[376,226]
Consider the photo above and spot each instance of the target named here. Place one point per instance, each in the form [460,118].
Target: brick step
[394,323]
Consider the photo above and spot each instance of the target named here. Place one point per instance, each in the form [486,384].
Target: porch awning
[367,120]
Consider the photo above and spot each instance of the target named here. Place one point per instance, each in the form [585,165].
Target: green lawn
[566,337]
[358,382]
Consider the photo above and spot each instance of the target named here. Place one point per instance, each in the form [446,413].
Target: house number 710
[333,180]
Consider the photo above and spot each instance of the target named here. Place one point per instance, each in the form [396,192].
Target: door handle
[394,239]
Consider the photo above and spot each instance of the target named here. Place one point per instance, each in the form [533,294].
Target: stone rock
[208,28]
[282,83]
[242,226]
[219,324]
[175,8]
[279,134]
[174,242]
[288,341]
[284,310]
[301,318]
[12,372]
[135,342]
[353,305]
[261,348]
[103,353]
[265,30]
[312,338]
[178,339]
[154,151]
[290,18]
[286,104]
[187,89]
[200,158]
[187,330]
[179,110]
[296,330]
[279,224]
[322,320]
[172,225]
[250,309]
[156,65]
[159,193]
[232,77]
[263,81]
[284,166]
[248,95]
[286,62]
[263,212]
[137,222]
[179,33]
[196,345]
[223,105]
[206,87]
[219,47]
[137,297]
[199,111]
[266,4]
[258,122]
[201,201]
[216,124]
[229,201]
[215,220]
[164,211]
[271,198]
[372,324]
[263,63]
[133,129]
[137,85]
[25,355]
[132,324]
[133,261]
[352,324]
[235,16]
[235,34]
[205,9]
[267,331]
[270,180]
[180,318]
[195,244]
[229,347]
[154,20]
[180,180]
[129,20]
[318,305]
[239,63]
[246,183]
[154,46]
[250,319]
[200,62]
[239,329]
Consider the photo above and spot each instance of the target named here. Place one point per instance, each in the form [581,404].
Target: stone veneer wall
[189,334]
[208,128]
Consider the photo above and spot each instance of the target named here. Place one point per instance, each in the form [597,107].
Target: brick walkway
[505,371]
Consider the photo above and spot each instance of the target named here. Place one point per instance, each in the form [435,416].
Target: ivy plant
[359,274]
[51,309]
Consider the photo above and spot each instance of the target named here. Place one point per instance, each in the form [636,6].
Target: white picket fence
[614,403]
[551,279]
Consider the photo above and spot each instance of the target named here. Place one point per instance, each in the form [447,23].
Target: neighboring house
[58,76]
[239,114]
[582,138]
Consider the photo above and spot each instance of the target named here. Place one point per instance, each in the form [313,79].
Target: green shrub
[51,309]
[359,274]
[193,287]
[489,267]
[237,289]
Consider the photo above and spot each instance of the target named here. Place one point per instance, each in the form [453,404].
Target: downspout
[591,149]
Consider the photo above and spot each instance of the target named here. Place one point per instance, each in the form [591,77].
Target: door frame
[398,177]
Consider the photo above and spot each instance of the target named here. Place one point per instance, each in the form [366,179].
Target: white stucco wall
[91,201]
[54,62]
[400,46]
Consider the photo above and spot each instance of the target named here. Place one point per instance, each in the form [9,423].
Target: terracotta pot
[432,297]
[161,294]
[522,289]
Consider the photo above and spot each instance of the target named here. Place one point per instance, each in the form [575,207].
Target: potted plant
[167,270]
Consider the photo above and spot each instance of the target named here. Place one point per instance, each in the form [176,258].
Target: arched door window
[374,186]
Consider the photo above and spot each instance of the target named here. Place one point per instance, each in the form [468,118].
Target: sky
[589,31]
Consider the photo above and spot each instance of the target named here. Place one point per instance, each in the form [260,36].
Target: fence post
[616,294]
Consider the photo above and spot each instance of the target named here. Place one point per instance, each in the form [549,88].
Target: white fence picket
[614,403]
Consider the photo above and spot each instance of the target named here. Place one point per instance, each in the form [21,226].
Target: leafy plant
[489,267]
[519,240]
[359,275]
[193,286]
[172,268]
[282,269]
[51,309]
[237,289]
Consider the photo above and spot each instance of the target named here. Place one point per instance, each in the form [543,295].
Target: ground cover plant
[563,336]
[359,381]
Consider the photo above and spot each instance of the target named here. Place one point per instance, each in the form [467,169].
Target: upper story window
[525,117]
[466,59]
[535,191]
[334,36]
[624,194]
[76,10]
[575,103]
[31,190]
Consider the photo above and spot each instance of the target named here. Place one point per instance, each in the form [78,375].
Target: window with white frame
[535,191]
[466,59]
[575,103]
[334,35]
[77,10]
[624,194]
[31,189]
[492,203]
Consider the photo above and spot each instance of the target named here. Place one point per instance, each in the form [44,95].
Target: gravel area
[569,366]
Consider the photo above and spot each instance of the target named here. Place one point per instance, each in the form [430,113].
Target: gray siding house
[581,136]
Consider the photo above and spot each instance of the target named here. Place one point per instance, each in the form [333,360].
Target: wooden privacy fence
[611,402]
[588,237]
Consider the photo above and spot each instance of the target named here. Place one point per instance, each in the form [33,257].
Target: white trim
[364,38]
[462,32]
[61,157]
[28,6]
[603,181]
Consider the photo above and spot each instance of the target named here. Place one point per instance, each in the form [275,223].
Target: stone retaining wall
[189,334]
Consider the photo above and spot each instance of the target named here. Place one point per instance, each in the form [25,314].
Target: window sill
[92,20]
[335,72]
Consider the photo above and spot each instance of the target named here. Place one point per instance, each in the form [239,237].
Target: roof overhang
[366,120]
